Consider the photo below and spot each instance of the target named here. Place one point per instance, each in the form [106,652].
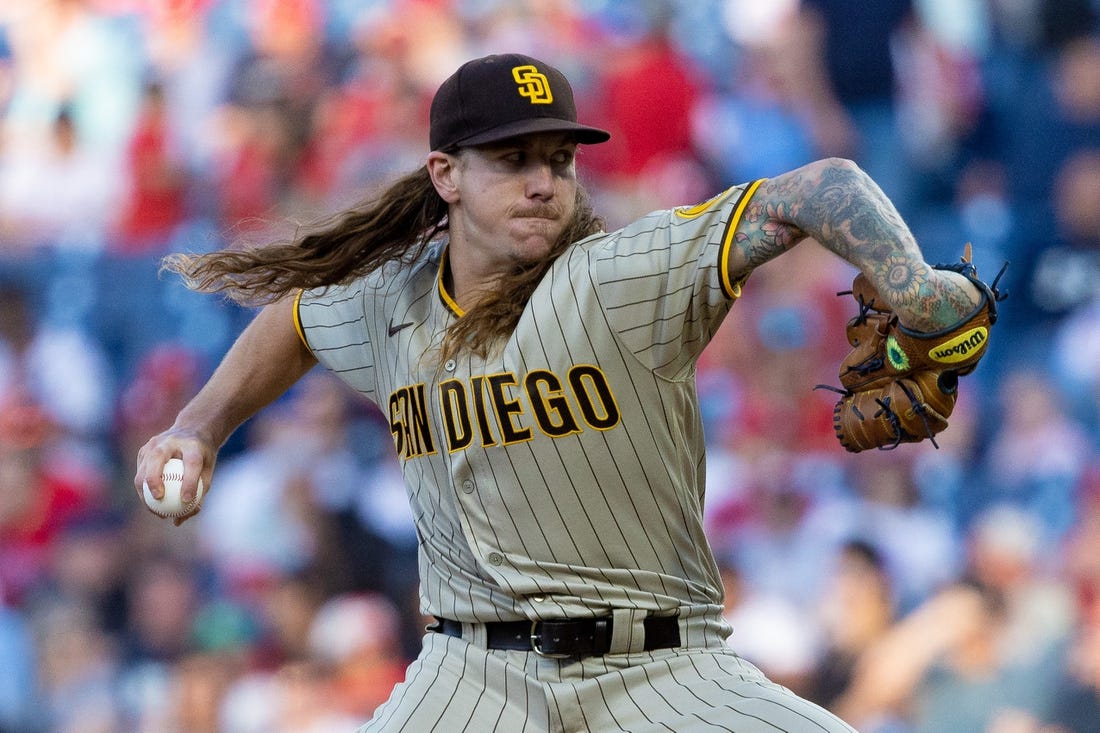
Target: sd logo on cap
[502,96]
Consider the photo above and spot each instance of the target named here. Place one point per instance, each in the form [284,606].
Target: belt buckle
[535,636]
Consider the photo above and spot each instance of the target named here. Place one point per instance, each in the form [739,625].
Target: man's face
[513,199]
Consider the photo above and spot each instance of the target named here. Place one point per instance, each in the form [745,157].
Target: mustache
[540,211]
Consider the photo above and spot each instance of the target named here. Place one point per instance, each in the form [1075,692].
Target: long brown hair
[396,225]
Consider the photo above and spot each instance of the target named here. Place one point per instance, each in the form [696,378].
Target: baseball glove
[900,385]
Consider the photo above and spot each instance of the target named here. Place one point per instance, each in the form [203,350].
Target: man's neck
[461,283]
[463,279]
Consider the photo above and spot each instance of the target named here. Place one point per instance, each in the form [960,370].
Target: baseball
[172,505]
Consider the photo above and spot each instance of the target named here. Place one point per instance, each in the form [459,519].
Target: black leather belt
[562,638]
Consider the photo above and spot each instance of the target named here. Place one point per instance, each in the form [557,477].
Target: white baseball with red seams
[171,505]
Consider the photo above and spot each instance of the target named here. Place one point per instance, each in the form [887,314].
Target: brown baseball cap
[502,96]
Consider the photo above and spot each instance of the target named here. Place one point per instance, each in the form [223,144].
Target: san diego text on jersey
[502,409]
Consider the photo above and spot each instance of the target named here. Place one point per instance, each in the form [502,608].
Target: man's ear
[442,168]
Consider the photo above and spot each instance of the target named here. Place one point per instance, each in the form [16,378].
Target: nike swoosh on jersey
[394,328]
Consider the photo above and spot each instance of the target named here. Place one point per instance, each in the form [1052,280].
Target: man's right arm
[264,362]
[835,203]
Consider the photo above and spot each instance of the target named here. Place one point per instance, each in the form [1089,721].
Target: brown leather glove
[900,385]
[905,410]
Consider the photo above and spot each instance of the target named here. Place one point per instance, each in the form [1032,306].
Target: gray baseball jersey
[563,477]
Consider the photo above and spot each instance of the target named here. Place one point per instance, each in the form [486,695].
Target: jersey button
[495,558]
[449,365]
[467,487]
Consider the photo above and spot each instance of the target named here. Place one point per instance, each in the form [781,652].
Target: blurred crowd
[929,589]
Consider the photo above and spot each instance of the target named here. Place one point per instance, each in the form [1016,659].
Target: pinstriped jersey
[563,476]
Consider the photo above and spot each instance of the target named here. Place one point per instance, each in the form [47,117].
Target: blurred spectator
[18,324]
[156,197]
[69,53]
[285,609]
[771,89]
[195,691]
[57,190]
[941,668]
[942,477]
[857,609]
[650,160]
[1081,571]
[87,568]
[1066,271]
[1005,552]
[982,199]
[781,549]
[379,538]
[646,74]
[162,596]
[266,121]
[856,84]
[1044,109]
[63,366]
[37,497]
[273,509]
[257,520]
[773,632]
[191,46]
[1075,360]
[356,637]
[249,167]
[363,131]
[942,93]
[295,699]
[78,667]
[888,512]
[796,338]
[1037,454]
[350,660]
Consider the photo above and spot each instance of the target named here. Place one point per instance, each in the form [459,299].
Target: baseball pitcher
[538,376]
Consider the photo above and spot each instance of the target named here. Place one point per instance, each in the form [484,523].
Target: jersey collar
[444,267]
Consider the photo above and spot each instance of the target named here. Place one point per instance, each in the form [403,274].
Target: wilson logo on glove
[962,347]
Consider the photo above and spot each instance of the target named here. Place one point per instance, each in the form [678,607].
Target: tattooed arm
[835,203]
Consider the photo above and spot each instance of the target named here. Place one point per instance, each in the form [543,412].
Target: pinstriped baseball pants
[455,685]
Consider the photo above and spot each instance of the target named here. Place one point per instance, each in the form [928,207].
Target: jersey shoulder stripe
[690,212]
[298,320]
[731,287]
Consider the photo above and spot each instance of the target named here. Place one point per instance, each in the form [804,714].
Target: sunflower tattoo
[904,278]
